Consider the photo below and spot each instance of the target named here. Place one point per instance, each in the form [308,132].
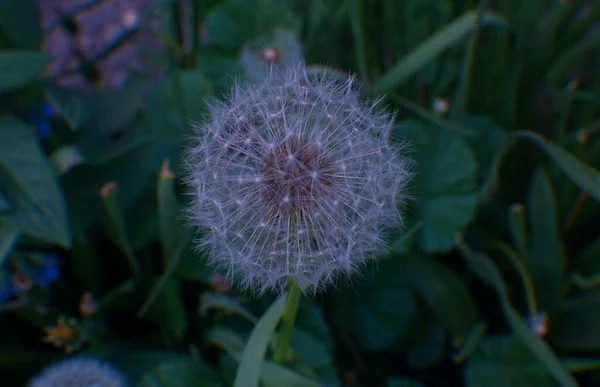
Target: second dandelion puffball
[79,372]
[294,178]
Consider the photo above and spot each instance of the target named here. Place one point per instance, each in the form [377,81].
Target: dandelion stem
[289,317]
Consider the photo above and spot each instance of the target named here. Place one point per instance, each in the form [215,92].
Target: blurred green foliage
[494,281]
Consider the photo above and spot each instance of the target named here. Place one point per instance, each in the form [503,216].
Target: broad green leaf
[485,142]
[583,175]
[234,22]
[487,271]
[113,110]
[575,323]
[546,259]
[504,362]
[446,294]
[73,105]
[312,341]
[143,364]
[182,373]
[402,382]
[9,234]
[379,309]
[32,186]
[169,311]
[434,46]
[20,20]
[431,344]
[5,204]
[17,68]
[195,87]
[231,23]
[446,188]
[272,374]
[251,362]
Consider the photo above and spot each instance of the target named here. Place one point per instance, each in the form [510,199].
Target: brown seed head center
[294,176]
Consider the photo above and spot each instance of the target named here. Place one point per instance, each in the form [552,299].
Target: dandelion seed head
[294,178]
[79,372]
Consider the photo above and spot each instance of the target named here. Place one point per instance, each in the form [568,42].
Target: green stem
[289,317]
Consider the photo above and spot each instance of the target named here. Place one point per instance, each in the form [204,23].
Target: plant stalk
[289,317]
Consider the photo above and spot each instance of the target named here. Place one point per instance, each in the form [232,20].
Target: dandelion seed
[304,187]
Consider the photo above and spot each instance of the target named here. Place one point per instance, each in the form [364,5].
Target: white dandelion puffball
[294,178]
[79,372]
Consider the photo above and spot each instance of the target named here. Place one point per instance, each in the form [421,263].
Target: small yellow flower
[66,333]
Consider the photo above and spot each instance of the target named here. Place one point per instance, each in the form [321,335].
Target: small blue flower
[40,118]
[6,288]
[47,110]
[49,272]
[43,128]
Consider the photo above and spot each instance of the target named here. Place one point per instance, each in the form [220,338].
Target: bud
[87,305]
[79,372]
[268,53]
[294,178]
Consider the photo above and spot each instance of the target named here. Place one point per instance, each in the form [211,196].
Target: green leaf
[431,345]
[224,303]
[9,234]
[17,68]
[518,227]
[487,271]
[171,229]
[169,311]
[446,188]
[380,309]
[175,238]
[272,374]
[230,24]
[575,323]
[235,22]
[20,20]
[443,291]
[402,382]
[584,176]
[504,362]
[182,373]
[73,105]
[251,362]
[312,341]
[546,259]
[195,87]
[471,342]
[558,71]
[32,186]
[434,46]
[147,364]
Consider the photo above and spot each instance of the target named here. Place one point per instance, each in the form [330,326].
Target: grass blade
[429,50]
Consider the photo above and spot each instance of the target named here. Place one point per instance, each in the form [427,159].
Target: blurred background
[493,281]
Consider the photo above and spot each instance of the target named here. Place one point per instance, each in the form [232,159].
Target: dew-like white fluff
[294,178]
[79,372]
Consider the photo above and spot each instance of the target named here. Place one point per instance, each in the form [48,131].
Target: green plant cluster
[494,280]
